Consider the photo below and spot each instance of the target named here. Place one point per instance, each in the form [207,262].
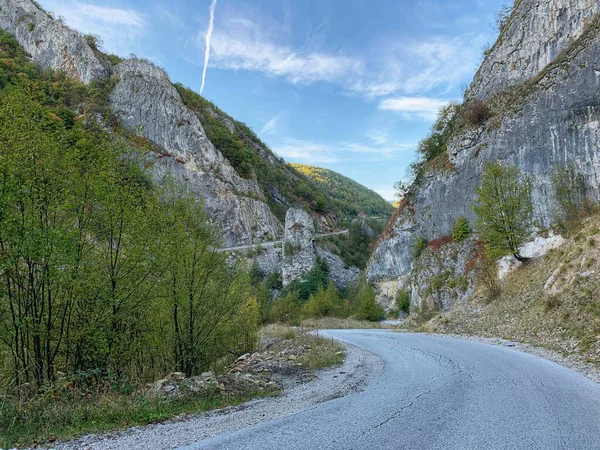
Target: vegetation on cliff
[349,195]
[284,185]
[504,210]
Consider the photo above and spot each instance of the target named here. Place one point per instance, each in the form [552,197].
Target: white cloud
[308,152]
[119,29]
[321,153]
[269,127]
[422,107]
[392,67]
[240,44]
[443,62]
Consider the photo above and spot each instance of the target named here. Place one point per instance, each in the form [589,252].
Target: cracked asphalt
[440,393]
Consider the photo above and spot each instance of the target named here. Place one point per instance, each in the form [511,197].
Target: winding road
[440,393]
[269,244]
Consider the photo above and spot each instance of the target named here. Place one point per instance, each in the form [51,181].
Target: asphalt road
[440,393]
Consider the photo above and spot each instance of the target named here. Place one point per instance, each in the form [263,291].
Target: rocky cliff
[299,251]
[146,101]
[541,82]
[50,43]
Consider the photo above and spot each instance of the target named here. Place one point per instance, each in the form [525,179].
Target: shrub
[325,302]
[403,300]
[573,202]
[476,112]
[438,243]
[420,245]
[366,306]
[286,309]
[92,41]
[432,146]
[503,16]
[486,274]
[461,229]
[551,302]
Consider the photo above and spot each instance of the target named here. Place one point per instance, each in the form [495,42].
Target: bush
[573,202]
[432,146]
[403,301]
[286,309]
[324,303]
[461,229]
[315,280]
[420,245]
[366,306]
[476,113]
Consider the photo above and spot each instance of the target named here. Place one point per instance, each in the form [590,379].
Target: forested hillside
[103,275]
[346,194]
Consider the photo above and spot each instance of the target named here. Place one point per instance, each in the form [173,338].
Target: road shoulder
[351,377]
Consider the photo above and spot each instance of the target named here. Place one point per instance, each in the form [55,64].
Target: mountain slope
[347,193]
[246,189]
[538,88]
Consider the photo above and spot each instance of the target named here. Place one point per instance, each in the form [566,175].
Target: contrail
[209,31]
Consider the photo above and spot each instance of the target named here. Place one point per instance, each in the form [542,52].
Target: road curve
[440,393]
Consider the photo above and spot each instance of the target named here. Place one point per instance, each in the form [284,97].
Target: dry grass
[334,323]
[321,352]
[562,314]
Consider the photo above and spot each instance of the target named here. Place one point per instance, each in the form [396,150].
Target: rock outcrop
[145,100]
[542,82]
[339,273]
[50,43]
[299,251]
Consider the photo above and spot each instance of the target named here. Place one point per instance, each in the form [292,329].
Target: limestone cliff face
[542,79]
[533,37]
[146,101]
[50,43]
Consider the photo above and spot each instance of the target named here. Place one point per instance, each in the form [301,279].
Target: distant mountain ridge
[346,193]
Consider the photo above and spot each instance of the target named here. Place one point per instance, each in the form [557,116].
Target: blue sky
[351,85]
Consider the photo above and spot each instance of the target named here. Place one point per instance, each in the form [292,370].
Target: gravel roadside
[351,377]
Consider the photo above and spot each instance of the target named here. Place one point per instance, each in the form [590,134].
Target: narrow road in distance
[269,244]
[444,394]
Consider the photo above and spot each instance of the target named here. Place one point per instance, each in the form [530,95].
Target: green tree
[366,306]
[461,229]
[325,302]
[503,207]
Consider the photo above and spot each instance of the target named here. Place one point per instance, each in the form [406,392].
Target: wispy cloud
[240,44]
[120,29]
[207,39]
[269,127]
[324,153]
[442,62]
[259,44]
[420,107]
